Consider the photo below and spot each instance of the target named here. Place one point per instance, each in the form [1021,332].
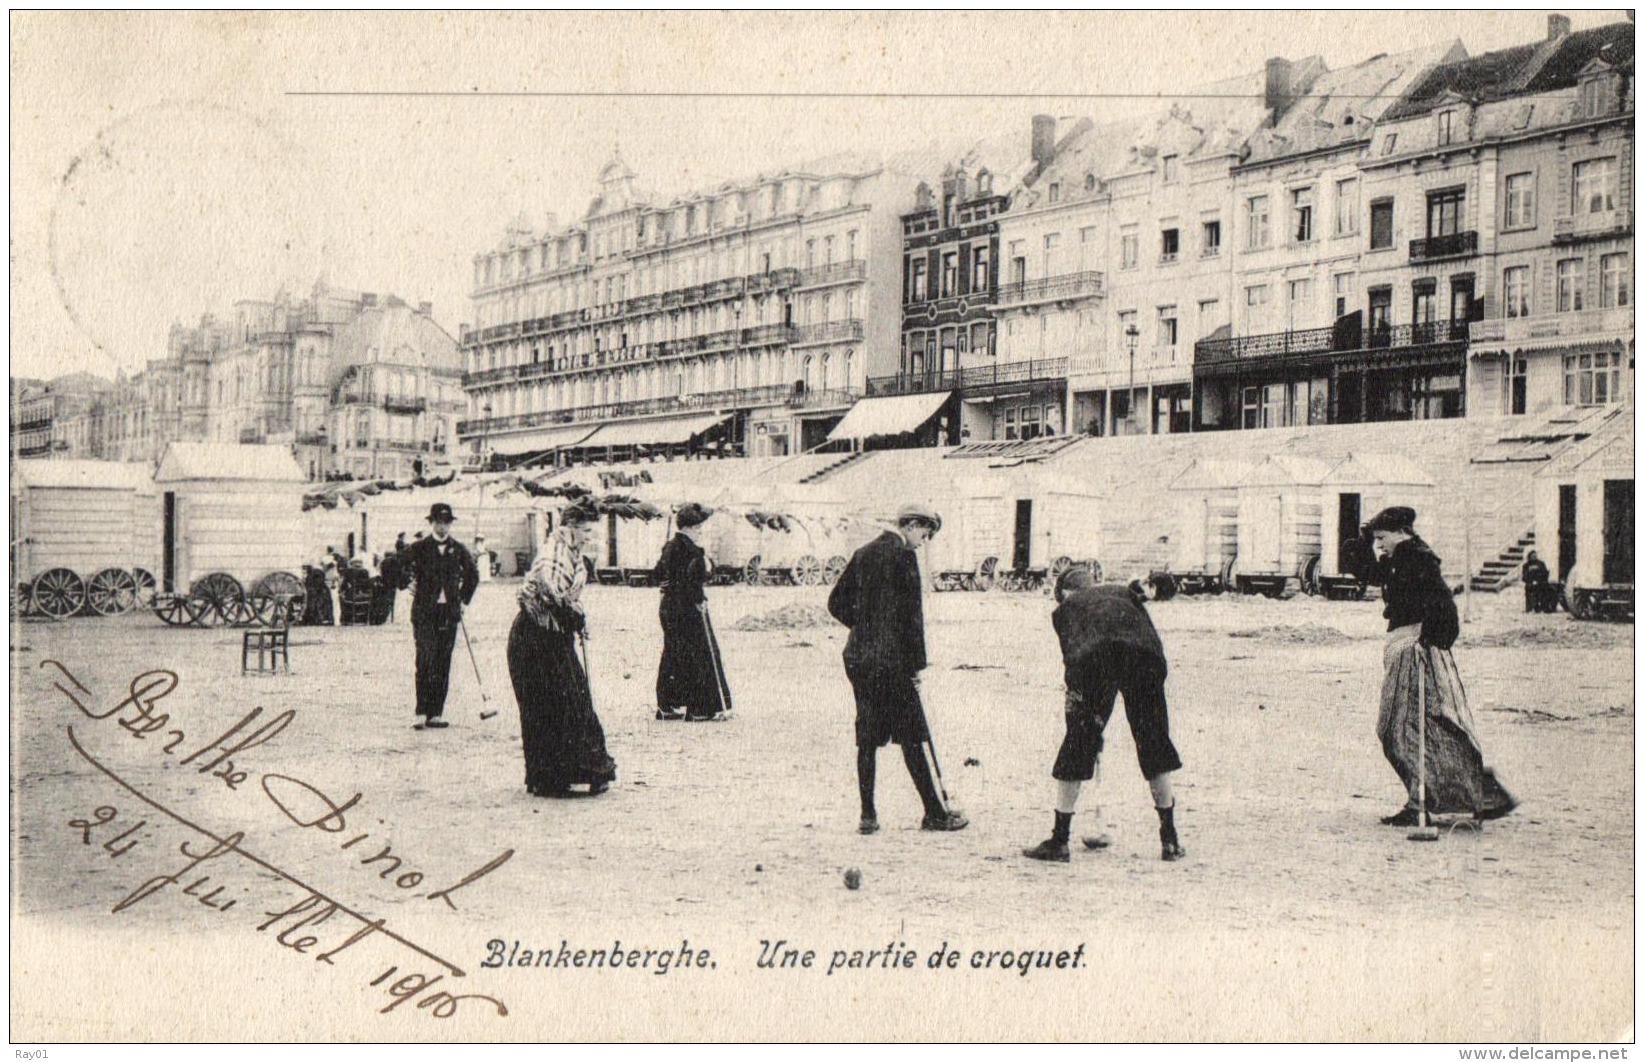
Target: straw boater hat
[1393,518]
[692,514]
[920,511]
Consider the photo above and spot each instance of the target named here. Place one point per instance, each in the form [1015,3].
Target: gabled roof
[1538,67]
[1379,469]
[1209,474]
[262,462]
[83,473]
[1286,470]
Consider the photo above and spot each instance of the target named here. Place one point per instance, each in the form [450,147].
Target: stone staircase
[1500,573]
[832,467]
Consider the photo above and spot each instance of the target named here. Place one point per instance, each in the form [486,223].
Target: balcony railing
[1303,343]
[1575,227]
[311,439]
[975,378]
[402,444]
[1052,289]
[405,405]
[829,332]
[833,273]
[1265,345]
[710,400]
[1453,245]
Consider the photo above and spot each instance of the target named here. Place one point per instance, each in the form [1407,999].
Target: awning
[889,415]
[542,439]
[656,431]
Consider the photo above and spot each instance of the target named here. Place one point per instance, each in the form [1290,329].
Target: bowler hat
[691,514]
[441,512]
[920,512]
[1393,518]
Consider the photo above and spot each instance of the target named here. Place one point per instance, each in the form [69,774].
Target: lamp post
[1131,333]
[485,433]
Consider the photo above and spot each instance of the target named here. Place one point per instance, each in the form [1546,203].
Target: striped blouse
[554,582]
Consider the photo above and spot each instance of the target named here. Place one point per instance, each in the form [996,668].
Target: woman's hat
[582,511]
[441,512]
[691,514]
[920,511]
[1393,518]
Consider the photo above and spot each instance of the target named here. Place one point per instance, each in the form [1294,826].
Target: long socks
[866,761]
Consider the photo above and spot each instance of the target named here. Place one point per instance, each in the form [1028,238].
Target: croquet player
[446,578]
[878,597]
[1109,648]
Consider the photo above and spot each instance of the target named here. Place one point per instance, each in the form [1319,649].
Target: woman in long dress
[690,681]
[1421,627]
[562,737]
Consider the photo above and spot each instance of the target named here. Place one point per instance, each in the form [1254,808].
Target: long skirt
[692,674]
[1457,778]
[564,742]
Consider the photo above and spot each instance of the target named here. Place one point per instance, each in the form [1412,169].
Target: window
[979,339]
[850,246]
[1127,321]
[1301,215]
[1301,293]
[1515,291]
[1257,214]
[1343,286]
[1052,242]
[1594,186]
[1612,289]
[979,269]
[1389,144]
[1210,312]
[1347,206]
[1446,127]
[1256,295]
[1592,379]
[1515,386]
[1168,169]
[1381,315]
[1169,244]
[1521,200]
[1212,238]
[950,273]
[1592,97]
[1572,278]
[1055,191]
[1445,212]
[1167,326]
[810,253]
[916,288]
[1381,224]
[1010,422]
[1128,247]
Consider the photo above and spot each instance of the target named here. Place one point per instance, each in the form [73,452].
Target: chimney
[1558,26]
[1044,140]
[426,309]
[1277,95]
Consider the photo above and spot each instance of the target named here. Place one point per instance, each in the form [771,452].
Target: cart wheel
[238,612]
[217,589]
[986,574]
[145,586]
[1227,581]
[750,572]
[59,593]
[177,610]
[833,569]
[112,592]
[807,571]
[1310,576]
[1057,567]
[277,583]
[1581,605]
[1164,586]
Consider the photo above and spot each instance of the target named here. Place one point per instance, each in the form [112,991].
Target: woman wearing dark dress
[1421,627]
[690,681]
[564,742]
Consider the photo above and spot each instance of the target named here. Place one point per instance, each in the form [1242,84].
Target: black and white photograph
[744,526]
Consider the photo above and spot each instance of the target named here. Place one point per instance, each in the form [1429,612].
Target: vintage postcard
[1107,526]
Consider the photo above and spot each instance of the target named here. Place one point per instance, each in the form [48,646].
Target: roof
[1210,474]
[1286,470]
[1616,428]
[1525,68]
[228,461]
[392,333]
[1388,469]
[81,473]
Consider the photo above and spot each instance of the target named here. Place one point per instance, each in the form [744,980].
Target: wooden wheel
[1581,606]
[177,610]
[986,574]
[833,569]
[277,583]
[58,593]
[112,592]
[217,589]
[1059,566]
[750,572]
[807,571]
[267,607]
[238,612]
[145,586]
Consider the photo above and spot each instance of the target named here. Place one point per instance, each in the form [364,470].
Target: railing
[1049,289]
[1453,245]
[399,444]
[309,439]
[403,405]
[977,377]
[1615,321]
[709,400]
[833,273]
[1587,226]
[828,332]
[1307,342]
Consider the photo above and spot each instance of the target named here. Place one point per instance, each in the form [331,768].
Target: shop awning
[889,415]
[656,431]
[543,439]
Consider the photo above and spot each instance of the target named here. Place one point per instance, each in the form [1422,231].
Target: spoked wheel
[986,574]
[833,569]
[807,571]
[58,594]
[218,589]
[266,607]
[177,610]
[145,586]
[112,592]
[750,572]
[238,612]
[277,583]
[1059,566]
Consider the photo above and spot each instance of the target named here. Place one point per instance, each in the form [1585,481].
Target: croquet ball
[759,867]
[853,879]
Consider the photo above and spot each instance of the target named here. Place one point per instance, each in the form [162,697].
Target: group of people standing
[1110,648]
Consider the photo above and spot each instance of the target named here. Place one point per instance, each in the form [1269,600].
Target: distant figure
[334,565]
[445,579]
[1418,667]
[690,681]
[1536,585]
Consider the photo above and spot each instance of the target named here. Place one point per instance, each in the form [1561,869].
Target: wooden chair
[273,643]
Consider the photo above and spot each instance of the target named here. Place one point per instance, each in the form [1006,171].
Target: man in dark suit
[879,598]
[446,579]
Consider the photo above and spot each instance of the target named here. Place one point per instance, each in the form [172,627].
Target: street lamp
[1131,332]
[485,432]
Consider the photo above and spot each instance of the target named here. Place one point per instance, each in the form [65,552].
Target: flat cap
[919,511]
[1393,518]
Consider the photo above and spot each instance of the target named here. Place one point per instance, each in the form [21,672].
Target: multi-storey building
[950,283]
[736,320]
[1557,327]
[32,404]
[1298,239]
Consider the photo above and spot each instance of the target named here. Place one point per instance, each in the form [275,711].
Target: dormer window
[1592,97]
[1055,192]
[1167,169]
[1090,182]
[1388,144]
[1446,127]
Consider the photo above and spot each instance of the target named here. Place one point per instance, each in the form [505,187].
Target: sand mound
[1572,634]
[787,618]
[1299,634]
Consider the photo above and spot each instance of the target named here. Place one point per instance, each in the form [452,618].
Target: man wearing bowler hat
[446,578]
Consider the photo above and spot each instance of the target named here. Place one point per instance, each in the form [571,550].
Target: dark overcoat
[691,675]
[1413,587]
[878,598]
[452,569]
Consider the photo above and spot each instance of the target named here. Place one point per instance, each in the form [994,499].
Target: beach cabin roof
[1615,433]
[1286,470]
[83,473]
[265,463]
[1208,474]
[1393,470]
